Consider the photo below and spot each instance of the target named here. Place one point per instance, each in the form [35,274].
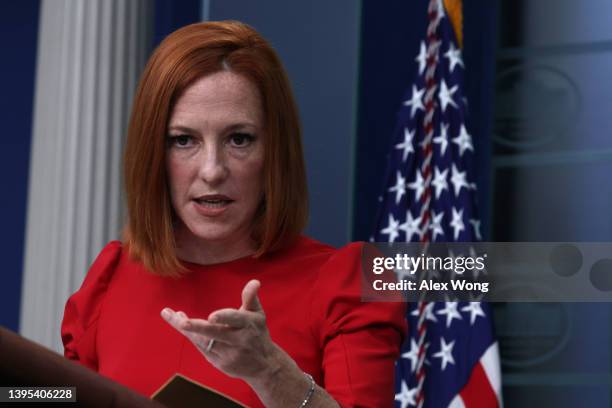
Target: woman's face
[214,159]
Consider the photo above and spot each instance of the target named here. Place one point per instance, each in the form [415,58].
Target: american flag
[450,357]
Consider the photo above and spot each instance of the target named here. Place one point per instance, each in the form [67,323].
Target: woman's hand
[237,342]
[241,345]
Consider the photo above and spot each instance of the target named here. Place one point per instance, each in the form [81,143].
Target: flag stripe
[457,402]
[478,392]
[490,364]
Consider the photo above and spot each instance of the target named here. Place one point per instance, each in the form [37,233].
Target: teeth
[213,203]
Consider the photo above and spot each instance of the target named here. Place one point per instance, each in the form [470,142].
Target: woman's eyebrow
[239,126]
[230,128]
[181,128]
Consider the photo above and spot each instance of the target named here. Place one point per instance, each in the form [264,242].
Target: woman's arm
[237,342]
[285,385]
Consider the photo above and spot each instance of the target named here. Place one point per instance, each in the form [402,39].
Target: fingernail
[165,313]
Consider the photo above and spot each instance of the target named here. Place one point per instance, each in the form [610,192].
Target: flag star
[412,355]
[475,311]
[475,297]
[476,227]
[416,100]
[451,312]
[458,179]
[411,227]
[418,185]
[399,188]
[392,229]
[457,223]
[454,57]
[406,396]
[406,145]
[429,314]
[446,95]
[436,224]
[422,58]
[476,272]
[463,141]
[439,181]
[442,140]
[445,353]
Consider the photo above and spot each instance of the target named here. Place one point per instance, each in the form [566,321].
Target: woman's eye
[241,139]
[181,140]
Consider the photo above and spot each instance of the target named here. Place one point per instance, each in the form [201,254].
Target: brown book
[182,392]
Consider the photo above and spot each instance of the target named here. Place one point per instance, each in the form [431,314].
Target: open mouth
[213,203]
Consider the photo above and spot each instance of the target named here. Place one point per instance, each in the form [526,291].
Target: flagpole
[434,14]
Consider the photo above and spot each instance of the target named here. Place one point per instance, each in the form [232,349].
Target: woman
[216,197]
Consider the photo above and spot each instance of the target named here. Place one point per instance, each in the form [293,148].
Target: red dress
[310,294]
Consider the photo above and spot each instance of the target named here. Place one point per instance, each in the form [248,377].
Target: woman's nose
[213,167]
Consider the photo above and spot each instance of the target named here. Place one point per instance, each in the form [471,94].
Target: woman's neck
[192,249]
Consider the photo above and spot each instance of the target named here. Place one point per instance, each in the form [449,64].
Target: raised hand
[236,341]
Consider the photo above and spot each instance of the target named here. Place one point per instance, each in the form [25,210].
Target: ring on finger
[210,345]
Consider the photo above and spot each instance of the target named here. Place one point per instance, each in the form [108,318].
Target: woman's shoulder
[309,247]
[103,267]
[345,259]
[99,275]
[339,305]
[83,307]
[315,260]
[111,252]
[327,265]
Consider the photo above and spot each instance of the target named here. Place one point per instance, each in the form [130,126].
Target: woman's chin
[213,234]
[213,237]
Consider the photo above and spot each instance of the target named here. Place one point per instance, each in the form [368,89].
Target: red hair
[183,57]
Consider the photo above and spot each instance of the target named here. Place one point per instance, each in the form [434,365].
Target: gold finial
[454,10]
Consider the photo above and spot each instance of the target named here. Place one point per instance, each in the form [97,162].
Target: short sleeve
[83,308]
[360,340]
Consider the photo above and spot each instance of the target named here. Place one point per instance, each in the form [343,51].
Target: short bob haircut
[182,58]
